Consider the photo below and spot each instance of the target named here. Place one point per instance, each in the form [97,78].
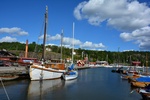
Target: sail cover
[71,67]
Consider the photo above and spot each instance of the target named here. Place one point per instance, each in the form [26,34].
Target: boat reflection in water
[38,89]
[70,82]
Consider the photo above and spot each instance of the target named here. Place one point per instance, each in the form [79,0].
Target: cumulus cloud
[56,37]
[130,17]
[90,45]
[125,15]
[140,36]
[51,38]
[67,42]
[77,10]
[8,39]
[13,31]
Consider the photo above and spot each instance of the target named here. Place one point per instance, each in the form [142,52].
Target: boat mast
[73,43]
[61,43]
[146,64]
[45,31]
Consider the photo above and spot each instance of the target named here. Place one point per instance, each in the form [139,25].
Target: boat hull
[70,77]
[145,95]
[8,78]
[140,84]
[38,72]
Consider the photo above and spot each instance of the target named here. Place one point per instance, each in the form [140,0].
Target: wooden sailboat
[71,72]
[144,80]
[44,70]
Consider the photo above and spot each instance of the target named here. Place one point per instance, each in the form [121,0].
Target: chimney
[26,52]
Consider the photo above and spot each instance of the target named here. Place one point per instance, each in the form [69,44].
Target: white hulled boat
[71,72]
[44,70]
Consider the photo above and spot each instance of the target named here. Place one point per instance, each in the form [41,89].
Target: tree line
[125,57]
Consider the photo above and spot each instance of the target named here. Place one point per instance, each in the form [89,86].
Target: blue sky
[99,24]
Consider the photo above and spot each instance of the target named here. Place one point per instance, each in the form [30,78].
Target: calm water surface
[92,84]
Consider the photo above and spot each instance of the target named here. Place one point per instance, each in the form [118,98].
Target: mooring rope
[4,89]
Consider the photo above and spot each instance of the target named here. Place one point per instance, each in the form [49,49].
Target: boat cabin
[136,63]
[26,61]
[102,62]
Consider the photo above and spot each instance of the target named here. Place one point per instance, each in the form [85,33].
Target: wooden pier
[82,67]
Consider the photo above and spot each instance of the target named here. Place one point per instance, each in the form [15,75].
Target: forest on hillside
[35,50]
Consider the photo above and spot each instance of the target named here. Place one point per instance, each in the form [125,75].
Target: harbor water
[91,84]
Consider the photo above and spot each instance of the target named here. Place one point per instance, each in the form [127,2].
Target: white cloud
[87,44]
[129,16]
[51,38]
[126,36]
[22,33]
[121,14]
[77,10]
[56,37]
[67,42]
[140,36]
[90,45]
[8,39]
[13,31]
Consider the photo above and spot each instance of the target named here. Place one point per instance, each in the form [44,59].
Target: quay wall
[25,70]
[13,70]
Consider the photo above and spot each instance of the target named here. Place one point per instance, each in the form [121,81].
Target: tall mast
[61,43]
[73,42]
[45,31]
[146,63]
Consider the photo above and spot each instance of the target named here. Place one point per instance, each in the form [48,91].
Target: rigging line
[35,49]
[4,89]
[73,43]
